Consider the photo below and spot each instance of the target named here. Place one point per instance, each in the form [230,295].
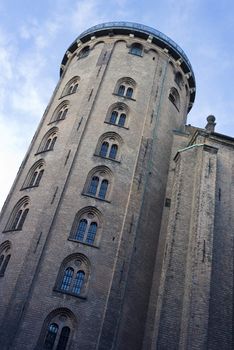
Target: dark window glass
[81,230]
[64,113]
[91,233]
[63,339]
[121,90]
[104,149]
[93,185]
[59,115]
[33,179]
[4,265]
[79,280]
[113,117]
[52,143]
[84,52]
[50,336]
[103,189]
[70,90]
[22,219]
[122,119]
[39,176]
[75,87]
[113,151]
[67,278]
[129,92]
[1,260]
[136,49]
[47,145]
[17,219]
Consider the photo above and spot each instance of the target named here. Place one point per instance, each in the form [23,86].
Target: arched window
[125,87]
[113,117]
[103,189]
[113,151]
[122,119]
[174,97]
[84,52]
[98,183]
[179,79]
[108,146]
[60,112]
[136,49]
[104,149]
[18,215]
[51,336]
[48,141]
[78,282]
[129,92]
[63,339]
[121,90]
[71,87]
[73,275]
[117,114]
[93,185]
[67,278]
[35,174]
[5,255]
[86,225]
[57,330]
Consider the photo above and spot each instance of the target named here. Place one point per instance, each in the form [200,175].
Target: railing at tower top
[141,28]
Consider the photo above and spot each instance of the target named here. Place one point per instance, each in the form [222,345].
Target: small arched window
[98,183]
[57,330]
[71,87]
[34,175]
[48,141]
[84,52]
[60,112]
[136,49]
[174,97]
[108,146]
[73,275]
[5,255]
[18,215]
[125,87]
[118,117]
[86,226]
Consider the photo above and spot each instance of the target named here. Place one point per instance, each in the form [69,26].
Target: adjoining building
[117,232]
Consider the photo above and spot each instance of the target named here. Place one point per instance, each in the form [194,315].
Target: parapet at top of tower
[141,31]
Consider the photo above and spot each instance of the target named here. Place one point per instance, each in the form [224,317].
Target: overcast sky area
[34,36]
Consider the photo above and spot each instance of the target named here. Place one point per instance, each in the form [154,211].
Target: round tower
[79,230]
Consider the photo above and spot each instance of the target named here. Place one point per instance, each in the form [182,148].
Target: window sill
[70,93]
[84,243]
[126,97]
[56,121]
[70,293]
[112,160]
[47,150]
[135,54]
[119,126]
[27,188]
[11,230]
[100,199]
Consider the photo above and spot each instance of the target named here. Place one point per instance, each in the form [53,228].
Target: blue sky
[35,34]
